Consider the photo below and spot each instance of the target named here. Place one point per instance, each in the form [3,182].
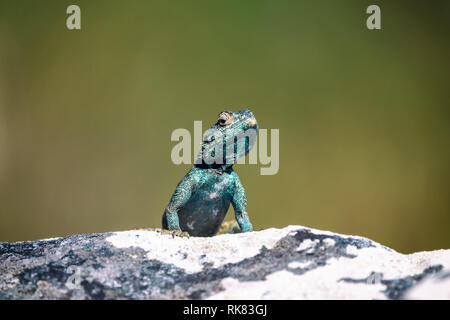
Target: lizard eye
[225,118]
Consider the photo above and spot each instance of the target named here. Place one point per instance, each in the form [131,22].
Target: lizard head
[231,137]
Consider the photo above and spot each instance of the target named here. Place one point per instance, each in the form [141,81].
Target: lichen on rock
[290,263]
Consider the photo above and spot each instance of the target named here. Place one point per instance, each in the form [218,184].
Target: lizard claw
[179,233]
[173,233]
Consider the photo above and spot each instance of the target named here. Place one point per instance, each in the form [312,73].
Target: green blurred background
[86,116]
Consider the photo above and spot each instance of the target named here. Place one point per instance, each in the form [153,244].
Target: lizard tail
[228,227]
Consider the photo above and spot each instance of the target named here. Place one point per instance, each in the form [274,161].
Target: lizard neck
[216,168]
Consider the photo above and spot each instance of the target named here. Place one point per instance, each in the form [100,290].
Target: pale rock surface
[290,263]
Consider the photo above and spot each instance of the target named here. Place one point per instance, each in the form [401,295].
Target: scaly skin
[202,198]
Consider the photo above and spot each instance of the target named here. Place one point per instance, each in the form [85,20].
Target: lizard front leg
[239,203]
[181,195]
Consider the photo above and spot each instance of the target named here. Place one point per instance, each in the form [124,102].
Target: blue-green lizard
[202,198]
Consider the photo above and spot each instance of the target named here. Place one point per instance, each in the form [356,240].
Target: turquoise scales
[202,198]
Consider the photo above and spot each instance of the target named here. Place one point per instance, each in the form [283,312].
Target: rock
[290,263]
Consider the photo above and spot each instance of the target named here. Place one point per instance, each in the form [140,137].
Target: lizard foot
[178,233]
[173,233]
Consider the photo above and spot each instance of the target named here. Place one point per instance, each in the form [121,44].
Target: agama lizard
[202,198]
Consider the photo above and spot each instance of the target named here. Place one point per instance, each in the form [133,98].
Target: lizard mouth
[249,119]
[251,122]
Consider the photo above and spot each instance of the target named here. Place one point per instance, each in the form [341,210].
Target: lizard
[201,199]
